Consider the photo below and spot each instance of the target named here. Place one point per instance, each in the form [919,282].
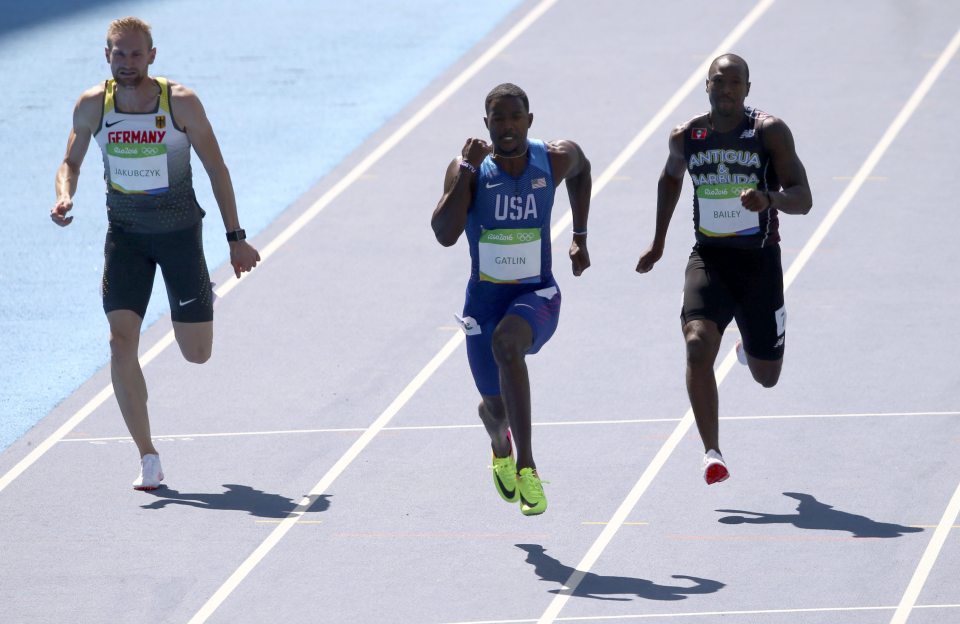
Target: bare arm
[450,216]
[668,194]
[795,198]
[191,116]
[86,116]
[570,164]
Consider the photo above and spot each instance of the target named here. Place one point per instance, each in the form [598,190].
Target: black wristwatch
[236,235]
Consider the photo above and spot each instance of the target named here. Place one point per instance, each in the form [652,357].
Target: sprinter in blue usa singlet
[501,194]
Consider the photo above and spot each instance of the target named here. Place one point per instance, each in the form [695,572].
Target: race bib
[510,255]
[721,213]
[138,167]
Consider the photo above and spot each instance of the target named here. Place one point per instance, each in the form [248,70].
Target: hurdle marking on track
[819,234]
[558,423]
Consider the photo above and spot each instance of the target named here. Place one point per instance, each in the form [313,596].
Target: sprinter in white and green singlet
[745,170]
[145,127]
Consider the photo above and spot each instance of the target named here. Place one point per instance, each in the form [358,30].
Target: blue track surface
[290,94]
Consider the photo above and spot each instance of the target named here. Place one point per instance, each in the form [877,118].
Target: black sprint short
[130,264]
[724,283]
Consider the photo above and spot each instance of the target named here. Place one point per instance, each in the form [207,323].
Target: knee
[767,378]
[492,410]
[197,354]
[701,347]
[506,349]
[123,345]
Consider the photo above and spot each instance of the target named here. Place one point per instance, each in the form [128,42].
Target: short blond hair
[129,24]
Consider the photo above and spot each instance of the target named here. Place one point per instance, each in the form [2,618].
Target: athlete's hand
[59,212]
[243,257]
[649,258]
[579,256]
[475,150]
[753,200]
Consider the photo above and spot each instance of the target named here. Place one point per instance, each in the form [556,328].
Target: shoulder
[566,158]
[774,131]
[182,94]
[89,108]
[684,129]
[186,105]
[564,152]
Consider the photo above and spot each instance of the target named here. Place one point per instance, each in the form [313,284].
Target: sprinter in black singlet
[145,127]
[745,171]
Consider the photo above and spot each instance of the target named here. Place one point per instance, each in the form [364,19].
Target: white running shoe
[741,354]
[151,474]
[714,468]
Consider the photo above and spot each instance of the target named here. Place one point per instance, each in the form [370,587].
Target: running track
[327,464]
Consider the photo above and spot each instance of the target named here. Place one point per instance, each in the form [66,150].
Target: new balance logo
[748,134]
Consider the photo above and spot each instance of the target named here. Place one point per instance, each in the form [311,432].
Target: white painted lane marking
[798,264]
[557,423]
[620,516]
[324,484]
[308,215]
[929,557]
[277,534]
[696,614]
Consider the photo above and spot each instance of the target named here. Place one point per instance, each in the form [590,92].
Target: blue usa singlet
[508,227]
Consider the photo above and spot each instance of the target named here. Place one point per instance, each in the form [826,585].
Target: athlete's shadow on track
[604,587]
[236,498]
[812,514]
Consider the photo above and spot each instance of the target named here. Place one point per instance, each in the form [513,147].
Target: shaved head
[730,59]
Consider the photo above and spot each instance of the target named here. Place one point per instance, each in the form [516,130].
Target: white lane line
[308,215]
[693,614]
[557,423]
[873,159]
[929,558]
[798,264]
[323,485]
[621,514]
[953,508]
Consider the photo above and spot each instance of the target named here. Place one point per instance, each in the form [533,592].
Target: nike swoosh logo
[503,487]
[183,303]
[111,124]
[524,501]
[489,186]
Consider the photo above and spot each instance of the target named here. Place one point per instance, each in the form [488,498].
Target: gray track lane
[413,532]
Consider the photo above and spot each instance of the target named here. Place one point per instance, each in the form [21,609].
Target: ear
[530,120]
[153,56]
[748,89]
[106,53]
[486,122]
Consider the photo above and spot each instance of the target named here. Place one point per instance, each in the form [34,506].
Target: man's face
[727,87]
[508,122]
[129,58]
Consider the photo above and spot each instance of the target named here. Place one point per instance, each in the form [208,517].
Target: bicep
[676,165]
[783,153]
[450,177]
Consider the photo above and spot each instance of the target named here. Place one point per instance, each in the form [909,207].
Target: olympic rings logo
[149,151]
[525,237]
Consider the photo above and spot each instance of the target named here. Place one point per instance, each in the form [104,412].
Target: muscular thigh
[706,291]
[540,309]
[128,272]
[761,314]
[184,267]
